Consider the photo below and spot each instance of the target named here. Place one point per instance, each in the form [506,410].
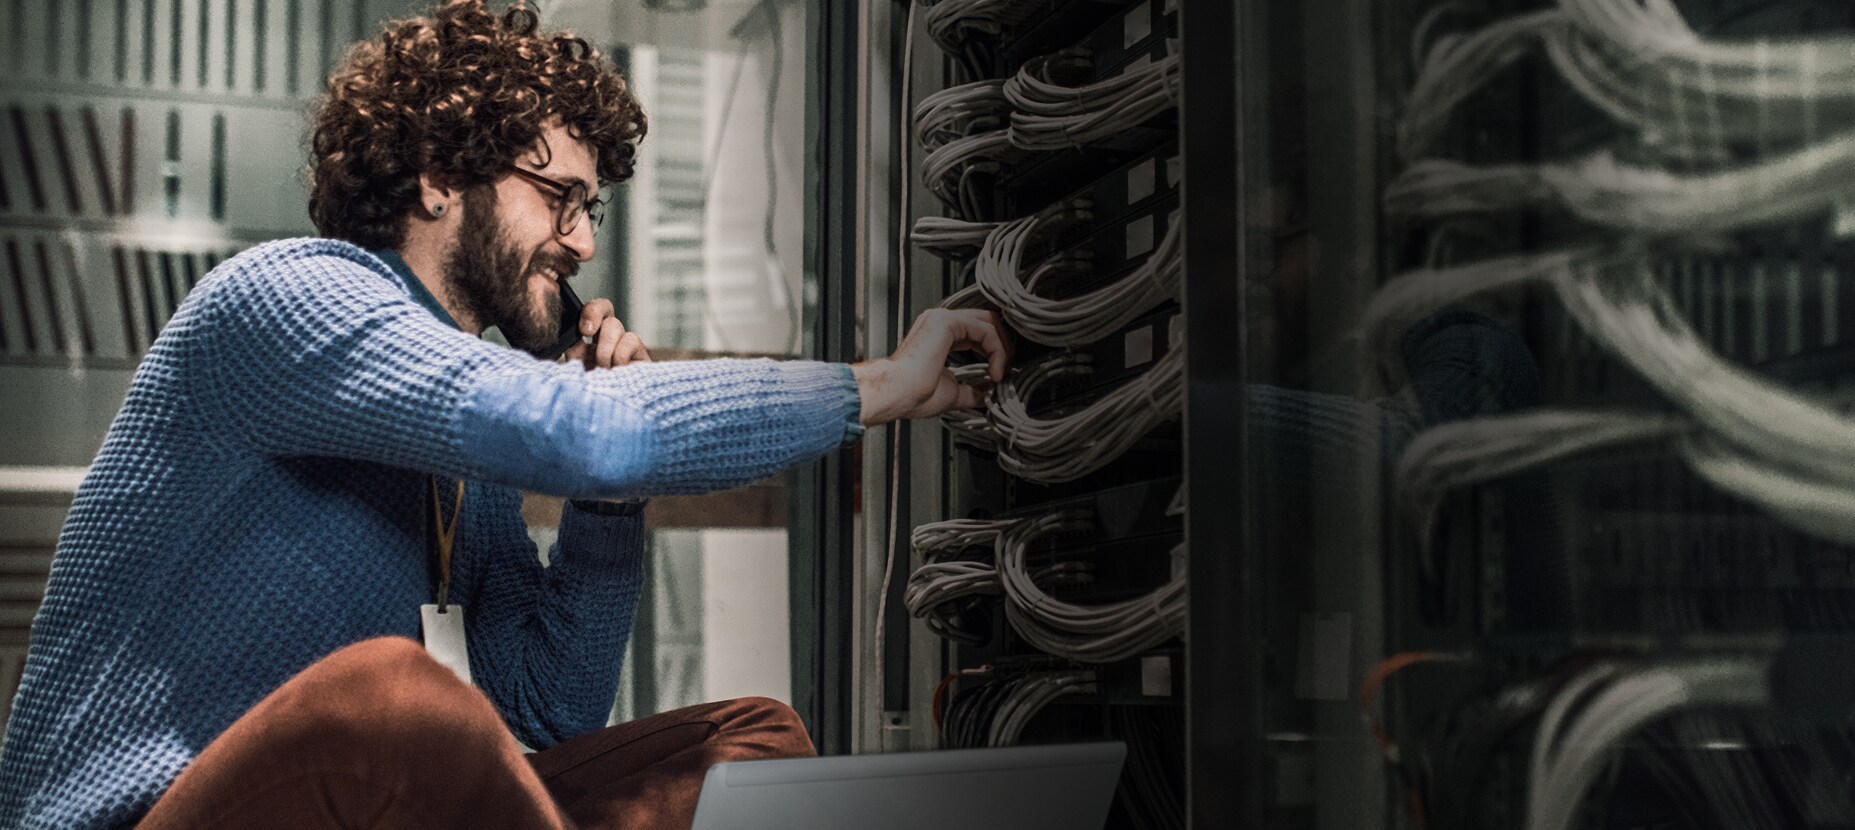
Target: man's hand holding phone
[600,340]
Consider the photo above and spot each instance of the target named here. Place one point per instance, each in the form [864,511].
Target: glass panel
[1547,410]
[701,254]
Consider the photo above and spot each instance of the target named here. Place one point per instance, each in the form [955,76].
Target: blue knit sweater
[263,499]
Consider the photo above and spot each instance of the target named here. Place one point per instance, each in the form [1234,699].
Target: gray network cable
[1028,696]
[1477,450]
[950,239]
[1798,68]
[1100,633]
[1687,96]
[1065,447]
[960,111]
[1792,454]
[1083,318]
[947,170]
[1051,116]
[1796,186]
[1582,729]
[1459,66]
[950,22]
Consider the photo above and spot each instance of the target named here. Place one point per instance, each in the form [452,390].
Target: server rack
[1507,533]
[1110,201]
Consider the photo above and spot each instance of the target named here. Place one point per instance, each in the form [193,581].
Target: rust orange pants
[378,734]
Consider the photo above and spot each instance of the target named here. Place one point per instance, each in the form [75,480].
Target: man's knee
[775,725]
[386,689]
[381,672]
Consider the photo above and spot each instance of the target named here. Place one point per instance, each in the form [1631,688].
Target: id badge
[444,637]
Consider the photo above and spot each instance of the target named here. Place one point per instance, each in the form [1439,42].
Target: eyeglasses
[573,201]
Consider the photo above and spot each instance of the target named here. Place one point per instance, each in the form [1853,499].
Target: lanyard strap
[447,533]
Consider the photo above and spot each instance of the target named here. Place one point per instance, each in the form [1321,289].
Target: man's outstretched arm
[309,350]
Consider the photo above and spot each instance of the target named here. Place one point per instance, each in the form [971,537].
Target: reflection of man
[318,445]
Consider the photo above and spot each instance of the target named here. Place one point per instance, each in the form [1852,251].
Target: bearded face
[488,274]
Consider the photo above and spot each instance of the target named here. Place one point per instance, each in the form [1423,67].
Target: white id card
[444,637]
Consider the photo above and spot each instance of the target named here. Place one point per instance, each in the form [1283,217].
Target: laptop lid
[1063,787]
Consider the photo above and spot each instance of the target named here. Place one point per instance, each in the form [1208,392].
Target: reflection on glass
[1549,433]
[704,260]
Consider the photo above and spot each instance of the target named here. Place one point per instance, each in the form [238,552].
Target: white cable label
[1136,25]
[1137,347]
[1844,219]
[1139,236]
[1140,181]
[1156,675]
[1326,646]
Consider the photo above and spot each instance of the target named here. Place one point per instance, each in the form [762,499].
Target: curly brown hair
[459,94]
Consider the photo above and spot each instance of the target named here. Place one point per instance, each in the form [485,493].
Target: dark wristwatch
[611,507]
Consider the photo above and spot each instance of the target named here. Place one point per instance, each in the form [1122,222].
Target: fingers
[982,331]
[615,347]
[594,314]
[969,397]
[606,343]
[920,384]
[631,350]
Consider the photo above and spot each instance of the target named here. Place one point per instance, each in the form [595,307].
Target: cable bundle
[952,23]
[1599,189]
[1414,295]
[1051,116]
[1459,66]
[1083,318]
[960,111]
[995,713]
[1478,450]
[950,239]
[1070,446]
[956,534]
[949,170]
[937,592]
[974,425]
[1640,63]
[1573,747]
[1086,633]
[1676,74]
[1791,454]
[1028,696]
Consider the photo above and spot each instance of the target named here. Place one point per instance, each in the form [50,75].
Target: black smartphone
[569,333]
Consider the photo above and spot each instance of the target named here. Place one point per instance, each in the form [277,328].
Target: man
[317,445]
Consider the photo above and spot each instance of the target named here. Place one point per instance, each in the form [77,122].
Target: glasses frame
[574,201]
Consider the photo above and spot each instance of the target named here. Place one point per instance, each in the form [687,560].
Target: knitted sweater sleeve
[546,645]
[310,349]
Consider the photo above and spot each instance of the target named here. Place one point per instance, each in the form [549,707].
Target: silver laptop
[1065,787]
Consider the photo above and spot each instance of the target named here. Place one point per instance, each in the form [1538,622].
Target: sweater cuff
[852,407]
[598,538]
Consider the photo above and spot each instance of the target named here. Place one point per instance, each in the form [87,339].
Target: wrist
[871,377]
[611,507]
